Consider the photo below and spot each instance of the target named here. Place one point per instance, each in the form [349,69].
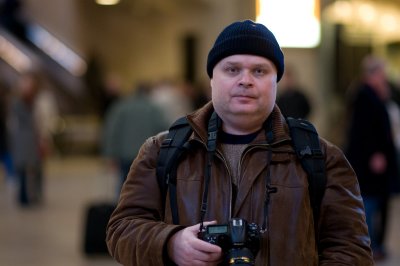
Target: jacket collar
[199,122]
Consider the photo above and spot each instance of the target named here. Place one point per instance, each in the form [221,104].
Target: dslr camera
[239,240]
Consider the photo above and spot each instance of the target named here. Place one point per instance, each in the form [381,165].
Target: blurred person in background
[128,123]
[111,92]
[28,147]
[172,99]
[5,155]
[370,147]
[393,107]
[198,93]
[47,115]
[291,98]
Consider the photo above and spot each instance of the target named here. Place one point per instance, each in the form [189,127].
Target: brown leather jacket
[137,232]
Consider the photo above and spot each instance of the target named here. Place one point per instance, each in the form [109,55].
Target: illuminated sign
[295,23]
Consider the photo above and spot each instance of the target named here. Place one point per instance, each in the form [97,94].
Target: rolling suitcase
[97,216]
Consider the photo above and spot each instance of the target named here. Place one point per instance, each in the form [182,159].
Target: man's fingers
[207,256]
[209,222]
[202,245]
[205,246]
[185,248]
[196,227]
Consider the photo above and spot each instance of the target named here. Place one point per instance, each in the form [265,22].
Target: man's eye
[260,71]
[232,69]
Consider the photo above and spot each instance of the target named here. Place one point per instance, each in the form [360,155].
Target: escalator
[26,46]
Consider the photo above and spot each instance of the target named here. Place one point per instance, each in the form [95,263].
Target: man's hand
[185,248]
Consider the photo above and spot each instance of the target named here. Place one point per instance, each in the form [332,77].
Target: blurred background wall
[153,40]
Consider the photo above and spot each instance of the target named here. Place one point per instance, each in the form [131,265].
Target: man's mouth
[243,96]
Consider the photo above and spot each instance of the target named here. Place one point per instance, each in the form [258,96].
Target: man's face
[244,89]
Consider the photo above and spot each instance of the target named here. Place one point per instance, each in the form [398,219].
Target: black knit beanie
[246,37]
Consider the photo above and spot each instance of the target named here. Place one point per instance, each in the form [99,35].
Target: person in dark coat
[371,149]
[291,98]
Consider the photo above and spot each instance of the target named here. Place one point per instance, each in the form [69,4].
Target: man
[27,144]
[291,99]
[128,123]
[253,152]
[371,148]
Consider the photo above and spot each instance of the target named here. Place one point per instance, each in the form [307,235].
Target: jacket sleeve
[136,234]
[343,233]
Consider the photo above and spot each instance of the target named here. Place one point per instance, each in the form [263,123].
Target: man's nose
[246,79]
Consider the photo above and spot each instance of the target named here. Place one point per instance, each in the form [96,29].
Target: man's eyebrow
[262,65]
[240,63]
[232,63]
[255,65]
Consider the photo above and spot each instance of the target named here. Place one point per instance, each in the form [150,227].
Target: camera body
[239,240]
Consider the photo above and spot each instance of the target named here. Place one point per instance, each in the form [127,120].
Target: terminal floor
[51,234]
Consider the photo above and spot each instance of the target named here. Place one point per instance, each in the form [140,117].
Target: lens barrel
[242,256]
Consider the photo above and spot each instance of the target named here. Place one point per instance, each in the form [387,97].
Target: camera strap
[268,191]
[268,188]
[213,126]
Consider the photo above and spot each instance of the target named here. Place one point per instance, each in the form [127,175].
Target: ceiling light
[303,33]
[107,2]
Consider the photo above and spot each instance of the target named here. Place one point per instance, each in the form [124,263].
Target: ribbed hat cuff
[245,44]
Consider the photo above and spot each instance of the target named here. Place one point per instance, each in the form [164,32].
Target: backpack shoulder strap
[306,144]
[170,152]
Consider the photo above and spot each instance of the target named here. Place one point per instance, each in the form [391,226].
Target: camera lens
[241,256]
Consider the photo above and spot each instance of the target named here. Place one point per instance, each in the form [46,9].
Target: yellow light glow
[366,13]
[294,23]
[389,23]
[341,11]
[107,2]
[373,19]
